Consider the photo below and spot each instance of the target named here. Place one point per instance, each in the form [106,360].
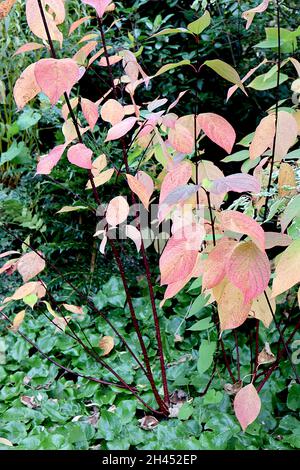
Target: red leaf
[218,130]
[180,254]
[247,405]
[80,156]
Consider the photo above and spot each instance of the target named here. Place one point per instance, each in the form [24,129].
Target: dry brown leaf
[286,180]
[266,356]
[106,343]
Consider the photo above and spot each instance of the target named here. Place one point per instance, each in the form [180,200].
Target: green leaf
[167,67]
[196,284]
[206,355]
[185,412]
[259,83]
[196,27]
[170,31]
[293,399]
[213,397]
[15,150]
[198,304]
[201,325]
[225,71]
[237,156]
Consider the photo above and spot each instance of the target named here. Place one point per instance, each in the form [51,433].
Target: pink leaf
[77,23]
[181,138]
[135,235]
[218,130]
[117,211]
[247,405]
[248,268]
[90,112]
[277,239]
[26,87]
[49,161]
[180,254]
[235,221]
[142,185]
[35,21]
[238,182]
[263,137]
[112,111]
[80,156]
[120,129]
[113,59]
[179,176]
[99,5]
[56,76]
[29,46]
[249,14]
[30,265]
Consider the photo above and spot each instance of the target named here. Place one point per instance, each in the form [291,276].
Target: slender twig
[211,217]
[226,361]
[80,294]
[282,338]
[276,109]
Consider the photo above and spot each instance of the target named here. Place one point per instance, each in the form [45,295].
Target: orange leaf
[232,309]
[248,268]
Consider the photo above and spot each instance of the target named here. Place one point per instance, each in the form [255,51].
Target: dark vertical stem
[237,354]
[143,251]
[136,327]
[107,56]
[276,108]
[211,217]
[227,362]
[157,327]
[256,348]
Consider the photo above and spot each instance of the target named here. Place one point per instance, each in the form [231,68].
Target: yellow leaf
[18,320]
[260,308]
